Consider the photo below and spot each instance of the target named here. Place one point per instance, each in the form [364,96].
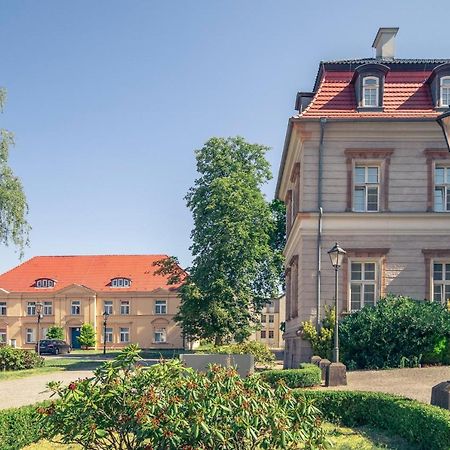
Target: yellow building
[78,289]
[272,316]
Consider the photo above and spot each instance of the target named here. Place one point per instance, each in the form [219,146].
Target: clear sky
[108,100]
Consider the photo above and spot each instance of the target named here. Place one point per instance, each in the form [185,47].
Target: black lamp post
[105,319]
[39,306]
[444,121]
[336,256]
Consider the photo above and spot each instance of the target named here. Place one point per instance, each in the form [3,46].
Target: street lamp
[336,257]
[444,121]
[39,306]
[105,319]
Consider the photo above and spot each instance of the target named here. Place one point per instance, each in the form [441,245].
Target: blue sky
[108,100]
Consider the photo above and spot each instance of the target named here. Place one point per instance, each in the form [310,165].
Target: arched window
[44,283]
[445,91]
[120,282]
[371,89]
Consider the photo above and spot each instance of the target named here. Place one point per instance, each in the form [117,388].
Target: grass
[342,438]
[51,365]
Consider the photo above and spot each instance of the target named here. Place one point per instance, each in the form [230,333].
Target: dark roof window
[120,282]
[368,80]
[439,82]
[44,283]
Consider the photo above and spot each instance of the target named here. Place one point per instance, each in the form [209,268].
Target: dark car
[53,346]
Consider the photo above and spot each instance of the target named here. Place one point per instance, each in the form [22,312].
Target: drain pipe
[323,121]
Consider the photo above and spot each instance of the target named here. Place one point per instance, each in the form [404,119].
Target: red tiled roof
[94,272]
[406,95]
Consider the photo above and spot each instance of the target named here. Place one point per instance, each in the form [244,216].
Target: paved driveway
[26,391]
[412,383]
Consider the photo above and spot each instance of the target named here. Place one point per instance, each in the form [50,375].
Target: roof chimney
[384,43]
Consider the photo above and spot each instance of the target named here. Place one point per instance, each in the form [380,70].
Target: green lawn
[52,365]
[342,438]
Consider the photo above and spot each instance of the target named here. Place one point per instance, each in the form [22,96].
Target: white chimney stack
[384,43]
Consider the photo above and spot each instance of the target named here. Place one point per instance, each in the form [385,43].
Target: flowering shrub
[18,359]
[168,406]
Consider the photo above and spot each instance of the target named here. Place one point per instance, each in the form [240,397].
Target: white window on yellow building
[108,334]
[263,318]
[48,309]
[160,335]
[75,308]
[271,334]
[271,318]
[366,188]
[124,307]
[160,307]
[31,308]
[30,335]
[363,285]
[108,307]
[441,282]
[124,335]
[3,310]
[2,336]
[263,334]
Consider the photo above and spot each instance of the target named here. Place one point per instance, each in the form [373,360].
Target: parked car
[53,346]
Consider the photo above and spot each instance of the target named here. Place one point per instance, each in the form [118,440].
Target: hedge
[306,376]
[19,427]
[424,425]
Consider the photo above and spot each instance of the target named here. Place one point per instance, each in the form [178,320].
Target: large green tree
[14,227]
[235,269]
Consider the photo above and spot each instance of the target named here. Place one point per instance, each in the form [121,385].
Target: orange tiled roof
[93,271]
[406,95]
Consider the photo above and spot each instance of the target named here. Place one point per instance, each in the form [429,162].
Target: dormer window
[44,283]
[371,90]
[120,282]
[444,97]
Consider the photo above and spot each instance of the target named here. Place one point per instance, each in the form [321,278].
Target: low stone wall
[244,364]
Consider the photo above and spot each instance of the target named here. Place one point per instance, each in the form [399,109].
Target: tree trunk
[217,340]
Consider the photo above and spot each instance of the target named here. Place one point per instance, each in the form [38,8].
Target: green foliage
[168,406]
[19,359]
[424,425]
[322,340]
[261,353]
[398,330]
[13,204]
[236,243]
[19,427]
[306,376]
[55,332]
[87,335]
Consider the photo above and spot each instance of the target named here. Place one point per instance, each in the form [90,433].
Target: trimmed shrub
[87,336]
[260,351]
[55,332]
[19,359]
[306,376]
[19,427]
[395,331]
[168,406]
[322,340]
[424,425]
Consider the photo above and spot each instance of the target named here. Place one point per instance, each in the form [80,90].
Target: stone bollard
[324,363]
[336,375]
[316,360]
[440,395]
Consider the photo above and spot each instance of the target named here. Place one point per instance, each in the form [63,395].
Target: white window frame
[271,318]
[45,283]
[271,332]
[163,336]
[366,185]
[125,307]
[3,336]
[375,87]
[31,308]
[443,283]
[445,186]
[265,334]
[363,282]
[75,308]
[47,308]
[160,307]
[441,92]
[124,333]
[120,282]
[109,335]
[3,309]
[263,318]
[30,335]
[108,307]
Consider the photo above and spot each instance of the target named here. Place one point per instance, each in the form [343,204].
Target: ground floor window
[124,335]
[160,335]
[441,282]
[108,335]
[30,336]
[363,284]
[2,336]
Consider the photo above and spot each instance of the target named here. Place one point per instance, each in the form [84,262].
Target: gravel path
[412,383]
[26,391]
